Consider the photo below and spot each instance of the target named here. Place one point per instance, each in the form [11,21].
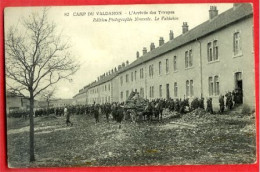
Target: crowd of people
[148,110]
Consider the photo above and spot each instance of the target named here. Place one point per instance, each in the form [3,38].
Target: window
[108,87]
[132,76]
[209,52]
[187,88]
[121,80]
[160,68]
[142,92]
[212,52]
[210,86]
[151,71]
[188,59]
[175,63]
[216,84]
[175,89]
[236,43]
[122,95]
[141,73]
[126,78]
[127,94]
[160,91]
[135,74]
[215,50]
[151,92]
[167,66]
[191,88]
[105,88]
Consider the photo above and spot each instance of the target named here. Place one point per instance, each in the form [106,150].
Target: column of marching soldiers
[152,109]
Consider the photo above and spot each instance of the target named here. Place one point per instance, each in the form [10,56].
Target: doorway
[238,92]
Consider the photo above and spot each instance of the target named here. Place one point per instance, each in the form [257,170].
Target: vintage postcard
[130,85]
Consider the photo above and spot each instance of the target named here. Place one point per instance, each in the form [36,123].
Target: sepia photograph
[130,85]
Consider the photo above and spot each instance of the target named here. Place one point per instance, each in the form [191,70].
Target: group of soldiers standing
[148,110]
[233,98]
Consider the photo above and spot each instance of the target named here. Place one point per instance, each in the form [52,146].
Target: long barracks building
[209,60]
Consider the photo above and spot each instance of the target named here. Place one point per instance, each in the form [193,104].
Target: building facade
[207,61]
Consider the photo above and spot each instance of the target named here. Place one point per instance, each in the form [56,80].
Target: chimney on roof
[109,73]
[123,64]
[161,41]
[144,50]
[213,12]
[119,67]
[115,69]
[185,27]
[152,46]
[171,35]
[137,54]
[127,63]
[112,71]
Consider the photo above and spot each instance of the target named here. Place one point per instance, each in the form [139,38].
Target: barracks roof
[222,20]
[103,80]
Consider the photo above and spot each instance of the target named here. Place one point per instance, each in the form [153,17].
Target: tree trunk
[32,157]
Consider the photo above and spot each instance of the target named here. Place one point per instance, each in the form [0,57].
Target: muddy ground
[193,138]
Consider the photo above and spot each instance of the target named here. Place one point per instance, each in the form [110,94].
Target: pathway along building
[209,60]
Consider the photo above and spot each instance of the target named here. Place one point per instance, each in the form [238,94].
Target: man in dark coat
[221,103]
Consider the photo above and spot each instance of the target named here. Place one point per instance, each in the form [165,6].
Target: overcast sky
[101,46]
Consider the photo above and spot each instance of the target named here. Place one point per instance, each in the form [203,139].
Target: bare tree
[47,95]
[36,59]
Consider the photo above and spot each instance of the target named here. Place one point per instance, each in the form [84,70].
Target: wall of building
[126,87]
[228,64]
[191,81]
[80,98]
[114,89]
[100,94]
[225,68]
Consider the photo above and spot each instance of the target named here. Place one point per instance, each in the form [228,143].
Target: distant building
[61,102]
[17,102]
[207,61]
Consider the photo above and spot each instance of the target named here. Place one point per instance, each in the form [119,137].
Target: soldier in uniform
[96,112]
[229,101]
[209,106]
[67,114]
[202,103]
[221,103]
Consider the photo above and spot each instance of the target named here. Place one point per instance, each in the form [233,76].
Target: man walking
[67,114]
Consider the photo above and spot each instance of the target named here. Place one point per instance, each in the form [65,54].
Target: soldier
[67,114]
[177,105]
[96,113]
[229,101]
[209,106]
[221,103]
[202,103]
